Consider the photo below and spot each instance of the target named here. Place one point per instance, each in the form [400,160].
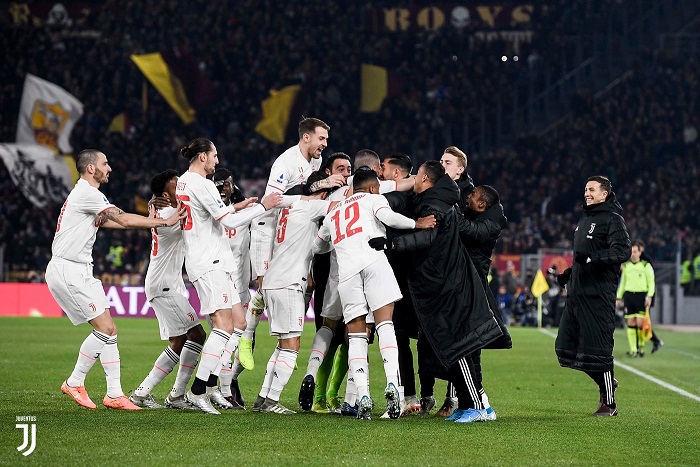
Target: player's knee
[197,334]
[177,343]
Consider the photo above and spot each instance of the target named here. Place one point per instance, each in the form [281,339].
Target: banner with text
[21,299]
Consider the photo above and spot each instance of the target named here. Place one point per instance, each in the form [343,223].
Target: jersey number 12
[351,215]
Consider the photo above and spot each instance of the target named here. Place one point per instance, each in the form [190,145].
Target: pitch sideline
[646,376]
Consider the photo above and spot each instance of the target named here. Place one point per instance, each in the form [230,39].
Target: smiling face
[593,193]
[226,190]
[340,167]
[315,142]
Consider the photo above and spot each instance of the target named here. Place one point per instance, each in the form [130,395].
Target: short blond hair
[458,153]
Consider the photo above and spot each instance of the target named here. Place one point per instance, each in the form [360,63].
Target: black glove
[380,243]
[582,258]
[564,277]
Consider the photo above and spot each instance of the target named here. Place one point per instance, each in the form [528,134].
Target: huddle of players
[337,212]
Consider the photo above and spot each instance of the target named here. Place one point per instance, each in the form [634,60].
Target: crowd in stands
[642,133]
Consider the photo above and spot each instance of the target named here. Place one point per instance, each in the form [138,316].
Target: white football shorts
[369,290]
[216,291]
[76,290]
[285,311]
[175,314]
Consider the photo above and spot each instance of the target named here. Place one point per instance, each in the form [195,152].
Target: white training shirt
[292,249]
[167,256]
[350,225]
[206,246]
[290,169]
[78,222]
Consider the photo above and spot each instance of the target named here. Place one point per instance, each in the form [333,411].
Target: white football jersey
[290,169]
[350,225]
[239,242]
[167,256]
[294,237]
[206,246]
[78,222]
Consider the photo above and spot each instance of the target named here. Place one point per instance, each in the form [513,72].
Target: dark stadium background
[540,95]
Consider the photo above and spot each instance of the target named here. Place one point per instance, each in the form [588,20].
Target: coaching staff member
[601,245]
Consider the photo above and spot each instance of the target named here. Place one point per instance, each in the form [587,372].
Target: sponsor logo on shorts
[93,307]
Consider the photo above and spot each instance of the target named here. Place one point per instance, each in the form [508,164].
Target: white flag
[47,114]
[42,175]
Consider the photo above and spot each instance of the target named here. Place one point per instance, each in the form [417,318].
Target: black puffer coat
[479,232]
[449,299]
[585,336]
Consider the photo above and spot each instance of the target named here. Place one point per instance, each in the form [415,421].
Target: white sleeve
[322,242]
[287,200]
[318,208]
[210,199]
[388,217]
[279,178]
[95,203]
[387,186]
[233,220]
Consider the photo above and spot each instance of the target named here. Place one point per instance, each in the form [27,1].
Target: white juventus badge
[29,434]
[592,228]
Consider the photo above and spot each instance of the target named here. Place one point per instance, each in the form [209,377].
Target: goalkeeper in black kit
[601,245]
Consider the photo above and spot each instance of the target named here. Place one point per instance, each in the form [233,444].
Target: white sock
[165,363]
[282,372]
[357,361]
[211,353]
[225,378]
[252,319]
[229,350]
[111,364]
[90,350]
[269,373]
[319,347]
[188,362]
[389,351]
[350,390]
[485,399]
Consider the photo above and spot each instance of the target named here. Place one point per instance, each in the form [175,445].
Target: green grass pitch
[544,411]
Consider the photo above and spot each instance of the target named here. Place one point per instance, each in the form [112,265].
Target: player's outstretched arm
[233,220]
[115,218]
[245,203]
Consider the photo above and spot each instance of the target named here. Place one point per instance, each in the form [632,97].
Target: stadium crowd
[642,133]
